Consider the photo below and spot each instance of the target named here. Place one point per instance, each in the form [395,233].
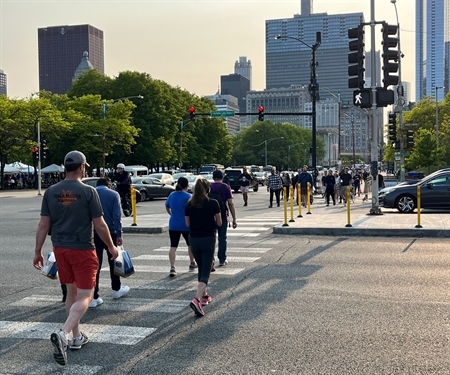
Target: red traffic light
[35,149]
[260,109]
[191,109]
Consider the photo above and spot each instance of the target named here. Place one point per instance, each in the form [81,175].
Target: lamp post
[289,152]
[105,110]
[265,147]
[313,89]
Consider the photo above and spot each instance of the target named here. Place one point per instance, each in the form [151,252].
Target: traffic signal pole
[38,175]
[375,209]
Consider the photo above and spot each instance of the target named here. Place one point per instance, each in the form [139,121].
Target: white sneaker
[95,302]
[121,292]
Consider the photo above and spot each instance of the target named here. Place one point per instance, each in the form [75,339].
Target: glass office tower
[288,60]
[432,47]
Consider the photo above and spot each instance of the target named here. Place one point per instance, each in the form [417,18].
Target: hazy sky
[187,43]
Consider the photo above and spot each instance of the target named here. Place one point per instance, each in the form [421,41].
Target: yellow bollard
[133,204]
[299,201]
[348,207]
[291,189]
[308,198]
[418,207]
[285,207]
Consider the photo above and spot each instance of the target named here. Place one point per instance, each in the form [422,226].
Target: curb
[364,232]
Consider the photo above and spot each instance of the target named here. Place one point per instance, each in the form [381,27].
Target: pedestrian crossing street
[151,276]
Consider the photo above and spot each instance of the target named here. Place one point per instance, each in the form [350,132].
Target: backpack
[216,196]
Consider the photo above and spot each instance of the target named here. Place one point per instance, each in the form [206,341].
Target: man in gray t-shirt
[70,211]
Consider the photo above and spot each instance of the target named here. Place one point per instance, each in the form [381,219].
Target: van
[137,170]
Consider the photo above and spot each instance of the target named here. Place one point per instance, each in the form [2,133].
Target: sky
[186,43]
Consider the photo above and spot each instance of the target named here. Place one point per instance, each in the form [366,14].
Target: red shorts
[76,266]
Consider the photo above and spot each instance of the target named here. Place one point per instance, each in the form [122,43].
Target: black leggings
[203,252]
[175,237]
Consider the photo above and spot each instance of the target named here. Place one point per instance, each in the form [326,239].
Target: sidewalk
[332,221]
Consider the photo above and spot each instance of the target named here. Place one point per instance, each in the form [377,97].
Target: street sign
[411,124]
[397,156]
[222,114]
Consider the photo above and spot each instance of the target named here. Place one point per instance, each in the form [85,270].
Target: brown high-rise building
[60,49]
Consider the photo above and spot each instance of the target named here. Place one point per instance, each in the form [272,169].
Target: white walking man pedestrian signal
[358,99]
[361,98]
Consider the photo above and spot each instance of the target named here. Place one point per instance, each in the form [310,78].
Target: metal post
[181,142]
[437,117]
[39,158]
[353,139]
[265,152]
[314,97]
[104,140]
[375,209]
[400,100]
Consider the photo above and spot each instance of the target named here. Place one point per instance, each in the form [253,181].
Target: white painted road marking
[249,250]
[185,257]
[121,335]
[219,270]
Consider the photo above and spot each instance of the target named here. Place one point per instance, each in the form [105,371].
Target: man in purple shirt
[224,191]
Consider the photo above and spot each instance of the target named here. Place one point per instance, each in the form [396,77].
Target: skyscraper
[244,68]
[432,47]
[288,60]
[60,49]
[236,85]
[2,83]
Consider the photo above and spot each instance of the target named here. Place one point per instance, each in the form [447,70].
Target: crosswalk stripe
[236,234]
[185,257]
[32,368]
[248,250]
[120,335]
[163,269]
[126,304]
[269,221]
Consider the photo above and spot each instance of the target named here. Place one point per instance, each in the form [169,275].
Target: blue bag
[123,266]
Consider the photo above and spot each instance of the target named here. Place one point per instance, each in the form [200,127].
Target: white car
[165,178]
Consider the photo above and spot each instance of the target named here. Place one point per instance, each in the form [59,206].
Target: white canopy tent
[53,168]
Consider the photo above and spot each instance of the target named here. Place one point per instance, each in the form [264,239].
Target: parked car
[165,178]
[434,193]
[92,181]
[262,177]
[151,187]
[176,176]
[233,179]
[192,181]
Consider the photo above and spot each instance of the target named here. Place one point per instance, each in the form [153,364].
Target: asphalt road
[283,305]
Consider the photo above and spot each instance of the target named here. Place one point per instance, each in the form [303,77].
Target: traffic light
[390,56]
[410,139]
[362,98]
[36,152]
[356,57]
[43,149]
[392,128]
[192,113]
[261,113]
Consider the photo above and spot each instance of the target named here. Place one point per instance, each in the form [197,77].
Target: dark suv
[233,179]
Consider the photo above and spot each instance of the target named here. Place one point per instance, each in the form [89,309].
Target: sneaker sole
[197,311]
[77,347]
[60,355]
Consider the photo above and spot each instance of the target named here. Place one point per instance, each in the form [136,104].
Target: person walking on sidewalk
[110,201]
[274,186]
[223,192]
[330,181]
[286,184]
[202,216]
[70,209]
[175,206]
[303,178]
[245,180]
[345,182]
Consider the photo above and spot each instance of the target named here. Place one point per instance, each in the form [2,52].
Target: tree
[425,153]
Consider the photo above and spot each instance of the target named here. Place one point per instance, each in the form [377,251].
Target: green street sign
[222,114]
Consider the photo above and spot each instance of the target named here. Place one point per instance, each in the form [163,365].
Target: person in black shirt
[245,179]
[202,216]
[123,181]
[329,181]
[345,182]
